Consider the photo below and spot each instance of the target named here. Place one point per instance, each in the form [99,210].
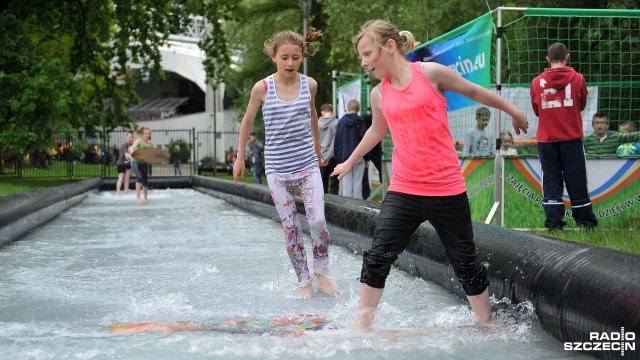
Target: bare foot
[305,291]
[327,286]
[489,327]
[363,321]
[138,201]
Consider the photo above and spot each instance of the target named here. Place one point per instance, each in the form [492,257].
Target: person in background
[115,155]
[257,157]
[628,149]
[328,123]
[479,142]
[427,182]
[141,168]
[506,144]
[375,157]
[229,160]
[176,158]
[350,131]
[558,95]
[124,164]
[292,153]
[603,141]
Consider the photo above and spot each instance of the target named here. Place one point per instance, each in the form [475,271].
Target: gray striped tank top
[288,147]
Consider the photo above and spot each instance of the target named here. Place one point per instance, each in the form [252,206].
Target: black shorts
[124,168]
[400,217]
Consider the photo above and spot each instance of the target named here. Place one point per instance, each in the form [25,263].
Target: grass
[625,240]
[12,185]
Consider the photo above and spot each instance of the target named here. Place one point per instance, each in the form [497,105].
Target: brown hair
[326,108]
[483,111]
[599,115]
[380,31]
[557,52]
[353,105]
[410,41]
[633,127]
[502,134]
[292,37]
[142,129]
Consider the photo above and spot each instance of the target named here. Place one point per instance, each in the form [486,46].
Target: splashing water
[188,256]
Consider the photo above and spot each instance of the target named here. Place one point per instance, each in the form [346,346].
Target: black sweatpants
[400,217]
[563,164]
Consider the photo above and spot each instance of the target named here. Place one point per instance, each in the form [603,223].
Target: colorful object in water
[284,325]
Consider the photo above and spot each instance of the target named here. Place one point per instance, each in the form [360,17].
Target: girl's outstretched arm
[258,96]
[371,138]
[444,78]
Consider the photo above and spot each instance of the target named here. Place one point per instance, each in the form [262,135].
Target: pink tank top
[424,160]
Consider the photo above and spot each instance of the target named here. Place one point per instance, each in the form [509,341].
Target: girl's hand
[342,170]
[238,170]
[520,122]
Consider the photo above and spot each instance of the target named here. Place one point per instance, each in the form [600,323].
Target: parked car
[206,164]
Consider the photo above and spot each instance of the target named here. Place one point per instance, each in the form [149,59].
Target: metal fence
[76,155]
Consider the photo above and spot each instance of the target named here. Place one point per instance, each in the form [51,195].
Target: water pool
[189,256]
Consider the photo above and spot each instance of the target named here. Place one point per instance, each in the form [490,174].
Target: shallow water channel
[185,255]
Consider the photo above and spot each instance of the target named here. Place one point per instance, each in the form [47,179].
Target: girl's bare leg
[481,306]
[369,300]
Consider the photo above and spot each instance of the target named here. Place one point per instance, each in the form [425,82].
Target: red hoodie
[557,96]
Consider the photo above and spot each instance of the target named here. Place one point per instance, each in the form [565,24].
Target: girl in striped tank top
[427,182]
[292,153]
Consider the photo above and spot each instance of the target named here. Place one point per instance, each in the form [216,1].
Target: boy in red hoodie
[558,95]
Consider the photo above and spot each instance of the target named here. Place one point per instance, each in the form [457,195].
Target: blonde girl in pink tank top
[427,183]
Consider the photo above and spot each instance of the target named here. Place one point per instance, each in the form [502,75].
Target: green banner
[480,181]
[614,189]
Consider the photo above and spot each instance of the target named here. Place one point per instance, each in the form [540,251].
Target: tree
[65,63]
[341,20]
[215,43]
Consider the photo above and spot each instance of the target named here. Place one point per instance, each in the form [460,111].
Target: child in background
[506,147]
[479,141]
[124,164]
[351,129]
[292,153]
[427,182]
[141,168]
[176,157]
[558,96]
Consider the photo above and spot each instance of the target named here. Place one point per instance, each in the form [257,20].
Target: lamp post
[305,6]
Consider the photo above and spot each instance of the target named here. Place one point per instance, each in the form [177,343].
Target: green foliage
[215,43]
[340,20]
[64,64]
[34,92]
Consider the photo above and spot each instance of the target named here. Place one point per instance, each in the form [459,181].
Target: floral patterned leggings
[309,182]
